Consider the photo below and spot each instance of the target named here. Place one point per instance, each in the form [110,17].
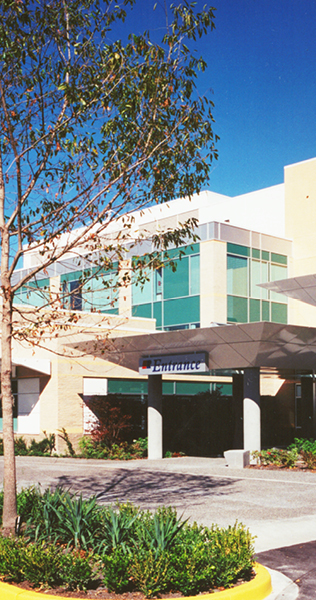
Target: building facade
[243,242]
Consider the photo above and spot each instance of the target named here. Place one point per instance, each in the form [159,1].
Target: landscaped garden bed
[301,455]
[68,544]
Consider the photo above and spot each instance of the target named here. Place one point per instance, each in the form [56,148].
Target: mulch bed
[103,594]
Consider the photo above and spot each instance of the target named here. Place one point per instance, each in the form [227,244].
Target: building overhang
[241,346]
[301,288]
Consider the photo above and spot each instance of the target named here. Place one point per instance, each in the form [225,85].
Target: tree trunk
[9,484]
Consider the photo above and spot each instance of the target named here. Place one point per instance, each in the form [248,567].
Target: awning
[301,288]
[261,344]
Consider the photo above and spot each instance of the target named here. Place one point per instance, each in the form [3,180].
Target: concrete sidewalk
[278,507]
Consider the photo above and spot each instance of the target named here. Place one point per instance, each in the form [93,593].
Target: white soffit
[300,288]
[41,365]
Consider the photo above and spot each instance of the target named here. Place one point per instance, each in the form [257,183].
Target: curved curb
[256,589]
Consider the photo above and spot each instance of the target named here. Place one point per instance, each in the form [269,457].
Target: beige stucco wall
[213,304]
[300,226]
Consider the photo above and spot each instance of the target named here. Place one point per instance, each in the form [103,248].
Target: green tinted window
[237,249]
[34,293]
[278,272]
[127,386]
[278,258]
[142,310]
[188,388]
[255,278]
[100,293]
[265,255]
[226,389]
[254,311]
[142,292]
[264,279]
[157,313]
[237,276]
[176,284]
[255,253]
[168,387]
[181,311]
[194,275]
[237,309]
[265,310]
[185,250]
[278,313]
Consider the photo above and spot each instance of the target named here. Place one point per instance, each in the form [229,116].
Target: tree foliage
[91,128]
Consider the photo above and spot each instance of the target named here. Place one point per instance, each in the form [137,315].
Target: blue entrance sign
[175,363]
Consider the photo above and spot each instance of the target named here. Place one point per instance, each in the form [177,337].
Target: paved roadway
[279,507]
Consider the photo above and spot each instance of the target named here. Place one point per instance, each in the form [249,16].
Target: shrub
[277,457]
[39,564]
[44,447]
[70,541]
[65,518]
[115,567]
[309,459]
[20,447]
[64,436]
[304,444]
[112,422]
[91,448]
[76,569]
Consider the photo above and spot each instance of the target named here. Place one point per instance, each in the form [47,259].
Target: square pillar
[155,416]
[252,411]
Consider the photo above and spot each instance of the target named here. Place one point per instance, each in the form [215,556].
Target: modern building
[225,278]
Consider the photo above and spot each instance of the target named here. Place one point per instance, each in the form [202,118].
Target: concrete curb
[256,589]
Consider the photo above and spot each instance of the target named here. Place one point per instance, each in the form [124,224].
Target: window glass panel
[190,388]
[237,309]
[265,309]
[265,255]
[157,313]
[279,258]
[255,278]
[100,293]
[142,310]
[158,283]
[35,293]
[142,292]
[182,310]
[176,284]
[254,310]
[237,276]
[174,252]
[75,295]
[278,272]
[127,386]
[278,313]
[168,388]
[194,275]
[255,253]
[226,389]
[236,249]
[264,279]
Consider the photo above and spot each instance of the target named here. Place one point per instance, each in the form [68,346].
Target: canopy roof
[301,288]
[229,346]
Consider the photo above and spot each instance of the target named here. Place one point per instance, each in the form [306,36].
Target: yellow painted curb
[256,589]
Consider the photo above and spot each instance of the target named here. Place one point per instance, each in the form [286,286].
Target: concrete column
[154,416]
[238,408]
[252,413]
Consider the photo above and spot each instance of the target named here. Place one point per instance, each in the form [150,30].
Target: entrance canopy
[229,346]
[301,288]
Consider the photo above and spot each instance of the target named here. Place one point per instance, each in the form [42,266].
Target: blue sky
[262,78]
